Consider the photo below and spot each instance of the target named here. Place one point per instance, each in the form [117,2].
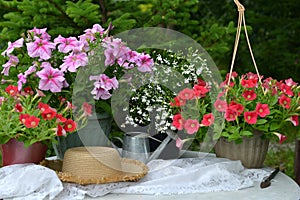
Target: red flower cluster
[34,116]
[246,103]
[191,126]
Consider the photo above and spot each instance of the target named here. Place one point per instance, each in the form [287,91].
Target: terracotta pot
[14,152]
[252,151]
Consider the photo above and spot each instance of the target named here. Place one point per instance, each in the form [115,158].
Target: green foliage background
[275,25]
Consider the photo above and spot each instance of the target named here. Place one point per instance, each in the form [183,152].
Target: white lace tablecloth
[166,177]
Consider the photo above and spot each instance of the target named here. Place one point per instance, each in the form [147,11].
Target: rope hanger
[241,22]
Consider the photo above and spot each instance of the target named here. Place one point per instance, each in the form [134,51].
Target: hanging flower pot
[14,152]
[251,152]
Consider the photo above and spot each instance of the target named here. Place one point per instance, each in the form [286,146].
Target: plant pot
[252,151]
[95,133]
[14,152]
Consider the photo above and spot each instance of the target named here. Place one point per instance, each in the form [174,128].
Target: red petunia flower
[238,108]
[32,122]
[60,131]
[220,105]
[49,114]
[87,109]
[18,107]
[250,117]
[286,89]
[60,118]
[191,126]
[186,94]
[295,120]
[208,119]
[281,137]
[262,109]
[178,121]
[70,125]
[200,91]
[250,83]
[230,115]
[42,106]
[285,101]
[249,95]
[12,90]
[28,90]
[177,102]
[23,118]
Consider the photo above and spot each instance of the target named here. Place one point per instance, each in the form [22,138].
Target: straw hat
[96,165]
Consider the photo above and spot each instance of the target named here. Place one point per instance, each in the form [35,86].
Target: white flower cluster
[150,104]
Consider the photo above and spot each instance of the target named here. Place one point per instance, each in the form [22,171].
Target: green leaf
[274,126]
[246,133]
[261,121]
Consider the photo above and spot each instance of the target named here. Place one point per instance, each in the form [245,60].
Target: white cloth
[166,177]
[28,181]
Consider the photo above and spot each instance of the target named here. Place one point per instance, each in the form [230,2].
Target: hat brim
[122,176]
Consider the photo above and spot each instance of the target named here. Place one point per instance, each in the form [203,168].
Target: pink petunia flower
[100,93]
[103,81]
[65,44]
[191,126]
[220,105]
[11,46]
[144,63]
[51,79]
[114,49]
[40,48]
[30,70]
[13,61]
[74,61]
[290,82]
[262,109]
[21,81]
[179,143]
[186,94]
[40,33]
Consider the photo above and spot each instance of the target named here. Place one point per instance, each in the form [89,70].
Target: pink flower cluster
[45,59]
[116,52]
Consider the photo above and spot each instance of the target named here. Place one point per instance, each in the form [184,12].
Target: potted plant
[28,125]
[55,66]
[246,106]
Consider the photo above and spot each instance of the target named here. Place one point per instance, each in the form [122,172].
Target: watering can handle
[160,148]
[115,147]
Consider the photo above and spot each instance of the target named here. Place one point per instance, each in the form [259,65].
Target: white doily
[166,177]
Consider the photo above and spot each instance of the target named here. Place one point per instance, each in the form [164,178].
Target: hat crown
[92,162]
